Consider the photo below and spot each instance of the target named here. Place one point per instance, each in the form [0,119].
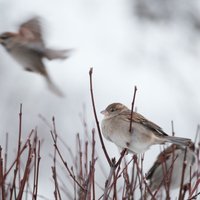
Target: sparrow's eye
[112,110]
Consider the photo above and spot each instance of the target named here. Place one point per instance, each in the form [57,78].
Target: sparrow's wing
[152,170]
[161,159]
[138,118]
[32,29]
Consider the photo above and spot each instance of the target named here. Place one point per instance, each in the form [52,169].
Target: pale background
[150,44]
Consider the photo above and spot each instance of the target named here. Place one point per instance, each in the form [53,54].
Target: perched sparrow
[28,49]
[170,162]
[115,127]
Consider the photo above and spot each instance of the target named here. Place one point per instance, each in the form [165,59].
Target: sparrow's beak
[104,112]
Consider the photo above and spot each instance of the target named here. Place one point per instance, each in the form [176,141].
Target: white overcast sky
[162,59]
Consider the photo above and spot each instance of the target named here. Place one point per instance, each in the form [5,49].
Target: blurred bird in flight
[28,49]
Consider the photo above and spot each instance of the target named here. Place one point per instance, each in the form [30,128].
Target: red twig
[93,163]
[6,154]
[37,175]
[96,119]
[132,107]
[54,168]
[172,124]
[142,176]
[66,165]
[108,181]
[34,164]
[1,176]
[183,175]
[17,166]
[26,174]
[22,150]
[194,190]
[164,174]
[113,166]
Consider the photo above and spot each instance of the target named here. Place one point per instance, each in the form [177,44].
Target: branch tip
[91,71]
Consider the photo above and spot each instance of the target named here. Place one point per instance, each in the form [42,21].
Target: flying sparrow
[28,49]
[168,167]
[144,133]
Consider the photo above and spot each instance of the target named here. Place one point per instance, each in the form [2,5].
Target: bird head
[6,37]
[113,110]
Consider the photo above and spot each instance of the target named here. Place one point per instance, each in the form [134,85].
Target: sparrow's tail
[53,87]
[178,140]
[57,54]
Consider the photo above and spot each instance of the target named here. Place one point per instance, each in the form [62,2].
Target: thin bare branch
[2,188]
[183,175]
[6,154]
[96,119]
[132,107]
[66,165]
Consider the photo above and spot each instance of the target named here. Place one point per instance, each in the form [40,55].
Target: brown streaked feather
[138,118]
[32,29]
[162,158]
